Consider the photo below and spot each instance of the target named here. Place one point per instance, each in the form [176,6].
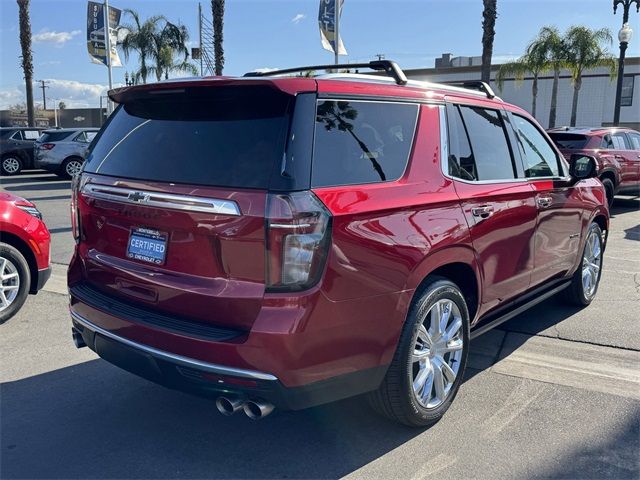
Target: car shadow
[56,424]
[35,187]
[29,177]
[623,205]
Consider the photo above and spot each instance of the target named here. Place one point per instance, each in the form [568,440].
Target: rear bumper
[210,379]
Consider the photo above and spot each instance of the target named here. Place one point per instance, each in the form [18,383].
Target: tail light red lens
[47,146]
[298,241]
[75,213]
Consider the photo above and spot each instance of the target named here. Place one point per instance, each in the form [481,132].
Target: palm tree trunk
[217,10]
[27,57]
[554,98]
[489,15]
[574,104]
[534,94]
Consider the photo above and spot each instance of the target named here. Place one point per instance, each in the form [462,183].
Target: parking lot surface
[554,393]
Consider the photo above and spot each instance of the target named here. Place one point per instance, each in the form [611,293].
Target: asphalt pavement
[554,393]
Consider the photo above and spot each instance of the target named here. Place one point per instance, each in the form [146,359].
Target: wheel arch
[20,245]
[611,174]
[457,264]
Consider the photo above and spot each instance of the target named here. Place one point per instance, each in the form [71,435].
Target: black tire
[11,254]
[576,294]
[609,189]
[395,398]
[66,165]
[11,165]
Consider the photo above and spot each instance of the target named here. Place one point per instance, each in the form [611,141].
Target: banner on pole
[96,34]
[327,23]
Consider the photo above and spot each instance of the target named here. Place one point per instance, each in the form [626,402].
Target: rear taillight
[298,240]
[75,212]
[47,146]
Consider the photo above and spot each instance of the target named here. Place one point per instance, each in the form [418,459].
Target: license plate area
[147,245]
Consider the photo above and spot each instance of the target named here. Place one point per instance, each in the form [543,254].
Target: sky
[283,33]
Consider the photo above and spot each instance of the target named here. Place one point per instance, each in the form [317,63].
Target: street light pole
[624,36]
[107,48]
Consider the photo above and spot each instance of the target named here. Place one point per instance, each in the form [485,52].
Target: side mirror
[582,166]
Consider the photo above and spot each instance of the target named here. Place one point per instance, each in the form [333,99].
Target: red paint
[386,239]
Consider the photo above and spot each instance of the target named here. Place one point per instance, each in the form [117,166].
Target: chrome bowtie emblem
[138,197]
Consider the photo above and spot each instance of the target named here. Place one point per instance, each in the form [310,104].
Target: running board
[518,310]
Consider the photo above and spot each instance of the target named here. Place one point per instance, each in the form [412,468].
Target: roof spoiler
[390,67]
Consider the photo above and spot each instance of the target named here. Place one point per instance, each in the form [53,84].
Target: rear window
[54,136]
[361,141]
[569,141]
[222,136]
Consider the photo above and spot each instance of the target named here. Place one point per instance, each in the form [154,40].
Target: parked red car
[24,253]
[617,152]
[287,241]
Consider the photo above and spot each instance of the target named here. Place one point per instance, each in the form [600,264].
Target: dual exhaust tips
[254,409]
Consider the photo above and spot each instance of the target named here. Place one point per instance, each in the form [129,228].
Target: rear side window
[569,141]
[613,142]
[540,159]
[54,136]
[361,142]
[222,136]
[635,140]
[489,146]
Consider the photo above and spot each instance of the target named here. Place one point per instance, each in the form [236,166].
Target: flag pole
[336,23]
[107,46]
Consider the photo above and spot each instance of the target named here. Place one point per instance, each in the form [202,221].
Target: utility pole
[380,56]
[107,47]
[43,84]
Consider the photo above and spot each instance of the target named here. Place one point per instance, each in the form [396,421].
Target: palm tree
[534,60]
[489,15]
[217,10]
[27,57]
[140,38]
[166,45]
[584,51]
[557,55]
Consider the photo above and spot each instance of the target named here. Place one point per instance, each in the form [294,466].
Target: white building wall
[595,103]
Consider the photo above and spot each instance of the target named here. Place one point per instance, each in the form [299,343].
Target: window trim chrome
[172,357]
[169,201]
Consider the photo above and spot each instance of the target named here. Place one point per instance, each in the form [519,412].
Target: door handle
[619,157]
[483,212]
[544,202]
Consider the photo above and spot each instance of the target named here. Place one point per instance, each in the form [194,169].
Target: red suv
[24,253]
[617,152]
[287,241]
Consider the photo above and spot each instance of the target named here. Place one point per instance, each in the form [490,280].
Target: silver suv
[62,151]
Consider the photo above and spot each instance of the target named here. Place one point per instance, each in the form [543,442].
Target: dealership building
[595,103]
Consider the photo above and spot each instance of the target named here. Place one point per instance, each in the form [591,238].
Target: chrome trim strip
[172,357]
[148,198]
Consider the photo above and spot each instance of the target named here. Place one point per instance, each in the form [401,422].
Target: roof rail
[474,85]
[390,67]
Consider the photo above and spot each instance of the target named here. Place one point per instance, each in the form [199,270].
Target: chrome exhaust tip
[257,409]
[78,341]
[228,406]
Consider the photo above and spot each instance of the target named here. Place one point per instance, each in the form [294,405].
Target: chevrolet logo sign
[138,197]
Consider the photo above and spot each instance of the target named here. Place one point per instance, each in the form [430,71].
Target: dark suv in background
[617,152]
[16,149]
[284,242]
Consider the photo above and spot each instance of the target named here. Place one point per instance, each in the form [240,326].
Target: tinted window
[89,136]
[540,159]
[224,136]
[613,142]
[635,140]
[54,136]
[17,135]
[569,141]
[488,143]
[361,142]
[461,161]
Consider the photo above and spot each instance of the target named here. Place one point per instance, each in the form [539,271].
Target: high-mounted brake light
[298,240]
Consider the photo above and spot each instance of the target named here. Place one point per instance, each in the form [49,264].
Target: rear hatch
[173,197]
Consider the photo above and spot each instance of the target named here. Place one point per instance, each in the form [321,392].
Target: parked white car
[62,151]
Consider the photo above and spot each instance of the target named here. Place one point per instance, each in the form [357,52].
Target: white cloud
[49,62]
[74,94]
[56,38]
[298,18]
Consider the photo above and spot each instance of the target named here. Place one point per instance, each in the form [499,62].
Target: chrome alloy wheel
[437,353]
[11,165]
[591,264]
[9,283]
[73,168]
